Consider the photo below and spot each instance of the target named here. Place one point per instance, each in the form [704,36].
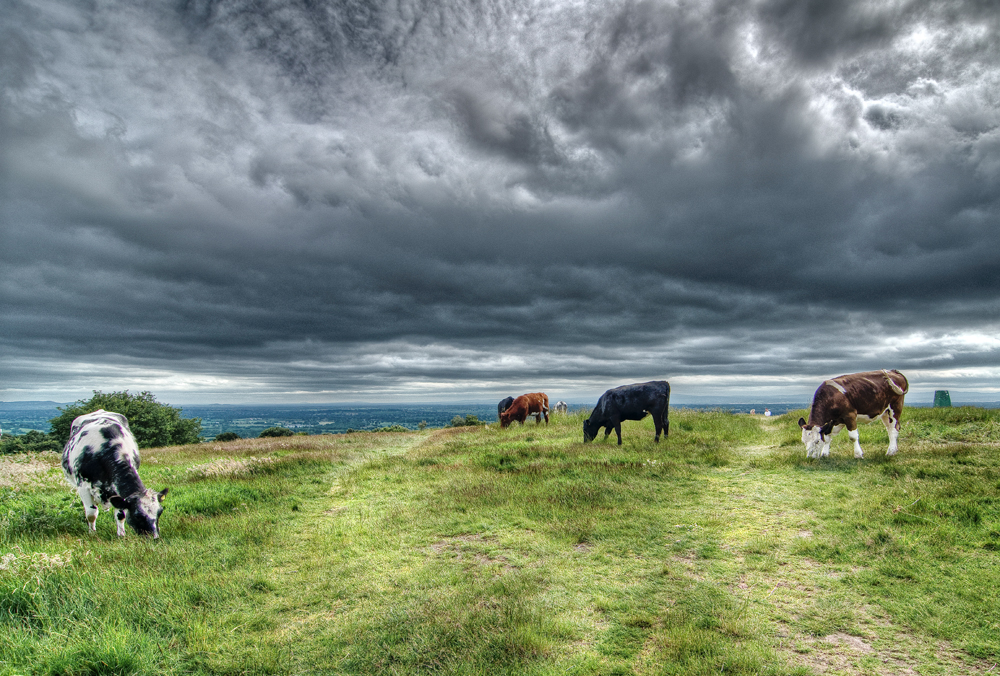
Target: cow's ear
[118,502]
[802,422]
[827,429]
[162,494]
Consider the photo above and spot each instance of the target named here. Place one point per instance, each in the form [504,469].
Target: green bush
[276,432]
[153,424]
[468,421]
[33,441]
[227,436]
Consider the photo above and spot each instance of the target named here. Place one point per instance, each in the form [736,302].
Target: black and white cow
[560,407]
[504,405]
[630,402]
[101,461]
[857,397]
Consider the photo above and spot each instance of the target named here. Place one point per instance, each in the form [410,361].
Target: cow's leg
[855,436]
[825,451]
[120,522]
[607,431]
[618,431]
[662,424]
[89,507]
[891,423]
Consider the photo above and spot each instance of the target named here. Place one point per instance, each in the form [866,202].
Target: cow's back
[868,394]
[636,397]
[102,452]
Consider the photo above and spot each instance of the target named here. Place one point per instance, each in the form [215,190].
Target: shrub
[276,431]
[152,423]
[468,421]
[227,436]
[33,441]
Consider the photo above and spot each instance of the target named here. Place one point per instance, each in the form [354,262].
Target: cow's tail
[895,388]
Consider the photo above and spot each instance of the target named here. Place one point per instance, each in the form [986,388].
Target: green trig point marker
[942,399]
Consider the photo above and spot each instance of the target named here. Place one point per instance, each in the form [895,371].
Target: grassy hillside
[523,551]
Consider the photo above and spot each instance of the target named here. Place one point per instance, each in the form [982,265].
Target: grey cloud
[336,194]
[816,31]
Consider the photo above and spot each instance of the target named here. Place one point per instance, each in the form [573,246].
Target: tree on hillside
[276,432]
[153,424]
[468,421]
[32,441]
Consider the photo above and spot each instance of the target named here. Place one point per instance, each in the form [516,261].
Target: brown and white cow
[846,400]
[533,403]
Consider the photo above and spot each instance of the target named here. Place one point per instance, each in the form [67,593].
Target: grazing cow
[101,461]
[842,402]
[630,402]
[504,405]
[534,403]
[561,407]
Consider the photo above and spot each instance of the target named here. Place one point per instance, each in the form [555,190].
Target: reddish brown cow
[842,402]
[534,403]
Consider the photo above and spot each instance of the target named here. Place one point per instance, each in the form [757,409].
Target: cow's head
[142,510]
[590,430]
[505,418]
[815,437]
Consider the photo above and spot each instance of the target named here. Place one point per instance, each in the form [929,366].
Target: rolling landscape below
[248,420]
[480,550]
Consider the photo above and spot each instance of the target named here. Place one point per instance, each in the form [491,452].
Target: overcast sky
[418,200]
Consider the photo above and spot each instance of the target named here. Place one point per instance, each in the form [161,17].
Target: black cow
[630,402]
[504,405]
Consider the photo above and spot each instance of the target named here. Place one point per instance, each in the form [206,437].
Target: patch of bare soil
[472,548]
[844,654]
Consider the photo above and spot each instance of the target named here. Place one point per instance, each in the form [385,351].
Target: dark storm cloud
[359,200]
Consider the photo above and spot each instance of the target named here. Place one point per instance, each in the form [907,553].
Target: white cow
[101,461]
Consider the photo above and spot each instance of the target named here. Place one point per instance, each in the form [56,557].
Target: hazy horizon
[915,397]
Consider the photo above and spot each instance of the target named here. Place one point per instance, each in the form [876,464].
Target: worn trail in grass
[524,551]
[484,551]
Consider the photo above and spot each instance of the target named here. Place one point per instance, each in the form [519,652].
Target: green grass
[477,550]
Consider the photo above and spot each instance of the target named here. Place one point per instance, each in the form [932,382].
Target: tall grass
[477,550]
